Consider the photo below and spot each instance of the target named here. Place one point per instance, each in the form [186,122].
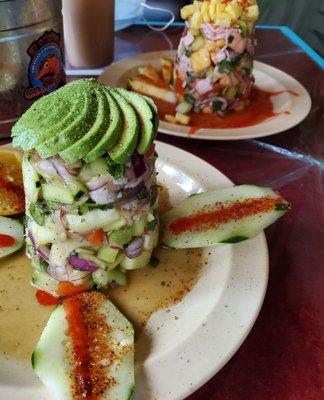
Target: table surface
[283,356]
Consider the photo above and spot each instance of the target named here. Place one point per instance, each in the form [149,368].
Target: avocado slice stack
[85,120]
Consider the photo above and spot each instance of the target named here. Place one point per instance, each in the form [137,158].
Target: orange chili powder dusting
[87,330]
[212,219]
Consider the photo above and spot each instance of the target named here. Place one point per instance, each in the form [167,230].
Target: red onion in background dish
[82,264]
[135,248]
[203,86]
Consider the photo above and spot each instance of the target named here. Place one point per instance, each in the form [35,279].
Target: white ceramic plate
[213,319]
[267,78]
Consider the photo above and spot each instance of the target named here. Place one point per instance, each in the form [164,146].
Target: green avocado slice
[155,112]
[47,116]
[125,147]
[145,117]
[76,129]
[88,141]
[111,136]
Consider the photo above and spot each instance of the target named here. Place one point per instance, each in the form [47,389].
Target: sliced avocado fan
[85,120]
[88,141]
[126,145]
[145,116]
[112,133]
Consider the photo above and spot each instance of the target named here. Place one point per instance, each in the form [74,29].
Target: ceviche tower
[90,184]
[213,69]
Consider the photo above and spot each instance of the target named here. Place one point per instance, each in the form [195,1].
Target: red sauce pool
[259,110]
[210,219]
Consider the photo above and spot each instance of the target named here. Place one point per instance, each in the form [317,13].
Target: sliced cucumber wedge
[107,356]
[222,216]
[14,229]
[138,262]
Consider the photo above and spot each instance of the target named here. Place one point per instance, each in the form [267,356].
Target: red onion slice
[46,167]
[203,86]
[98,182]
[103,195]
[43,252]
[82,264]
[135,248]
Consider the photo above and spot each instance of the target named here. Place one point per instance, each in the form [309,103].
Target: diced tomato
[46,299]
[96,237]
[217,87]
[66,289]
[150,152]
[6,240]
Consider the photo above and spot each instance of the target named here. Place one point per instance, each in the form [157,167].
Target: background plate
[267,78]
[180,350]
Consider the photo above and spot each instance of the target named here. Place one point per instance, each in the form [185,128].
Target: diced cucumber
[107,254]
[13,228]
[38,212]
[77,188]
[39,264]
[57,371]
[149,240]
[138,262]
[82,250]
[119,259]
[121,236]
[57,192]
[42,280]
[103,278]
[118,224]
[138,227]
[239,223]
[94,219]
[31,180]
[184,107]
[61,251]
[85,173]
[46,234]
[99,166]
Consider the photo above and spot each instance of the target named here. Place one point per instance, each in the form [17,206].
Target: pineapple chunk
[220,8]
[200,60]
[167,70]
[195,32]
[205,11]
[196,20]
[170,118]
[187,11]
[252,13]
[150,73]
[234,10]
[212,11]
[149,89]
[182,119]
[223,20]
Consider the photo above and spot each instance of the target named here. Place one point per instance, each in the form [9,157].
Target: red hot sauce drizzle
[213,218]
[259,110]
[90,351]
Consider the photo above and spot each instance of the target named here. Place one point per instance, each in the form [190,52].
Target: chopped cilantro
[117,171]
[217,105]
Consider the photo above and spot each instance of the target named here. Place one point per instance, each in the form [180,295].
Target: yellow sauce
[22,319]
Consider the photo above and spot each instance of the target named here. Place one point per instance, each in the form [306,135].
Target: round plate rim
[112,74]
